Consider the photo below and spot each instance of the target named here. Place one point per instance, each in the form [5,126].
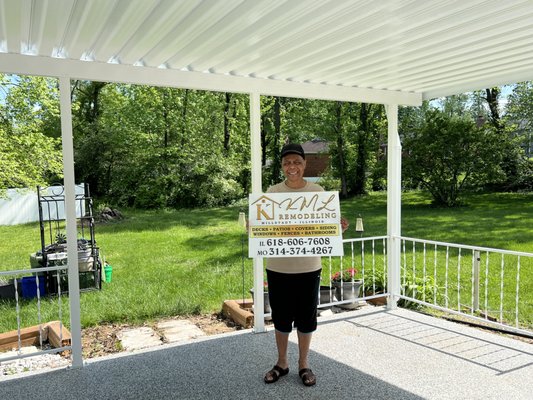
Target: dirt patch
[102,340]
[214,324]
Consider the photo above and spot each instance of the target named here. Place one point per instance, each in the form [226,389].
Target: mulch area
[102,340]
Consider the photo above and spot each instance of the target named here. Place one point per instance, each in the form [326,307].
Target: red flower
[345,276]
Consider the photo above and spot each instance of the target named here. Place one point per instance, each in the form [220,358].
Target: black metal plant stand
[53,251]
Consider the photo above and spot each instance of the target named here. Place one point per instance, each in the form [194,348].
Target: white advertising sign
[296,224]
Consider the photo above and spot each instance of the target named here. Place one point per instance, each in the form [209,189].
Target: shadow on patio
[364,354]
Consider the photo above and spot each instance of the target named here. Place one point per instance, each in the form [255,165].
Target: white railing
[484,284]
[487,285]
[22,305]
[368,256]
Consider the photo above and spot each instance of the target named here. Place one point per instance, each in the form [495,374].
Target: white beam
[70,213]
[394,204]
[105,72]
[257,187]
[508,78]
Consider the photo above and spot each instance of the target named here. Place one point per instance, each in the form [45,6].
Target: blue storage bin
[29,287]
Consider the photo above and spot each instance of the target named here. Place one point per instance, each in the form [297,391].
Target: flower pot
[266,301]
[327,295]
[380,301]
[348,291]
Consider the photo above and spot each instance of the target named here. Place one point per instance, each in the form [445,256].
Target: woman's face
[293,167]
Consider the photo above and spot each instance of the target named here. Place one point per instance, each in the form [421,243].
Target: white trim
[70,212]
[394,204]
[466,247]
[106,72]
[506,78]
[257,185]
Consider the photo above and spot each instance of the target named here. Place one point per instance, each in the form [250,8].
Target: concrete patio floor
[364,354]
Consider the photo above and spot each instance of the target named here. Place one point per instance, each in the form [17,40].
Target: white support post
[394,204]
[257,187]
[70,213]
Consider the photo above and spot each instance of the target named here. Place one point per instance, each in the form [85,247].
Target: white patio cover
[394,52]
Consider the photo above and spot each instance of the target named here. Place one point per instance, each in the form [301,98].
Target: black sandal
[308,378]
[275,373]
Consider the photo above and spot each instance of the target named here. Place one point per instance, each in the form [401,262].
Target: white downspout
[70,214]
[257,187]
[394,204]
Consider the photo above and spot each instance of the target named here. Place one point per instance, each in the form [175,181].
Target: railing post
[394,204]
[257,187]
[477,260]
[70,214]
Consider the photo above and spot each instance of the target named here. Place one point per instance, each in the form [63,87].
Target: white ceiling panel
[400,50]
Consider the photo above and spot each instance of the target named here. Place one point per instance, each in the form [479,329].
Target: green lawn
[168,263]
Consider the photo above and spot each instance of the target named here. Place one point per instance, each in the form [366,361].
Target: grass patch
[168,263]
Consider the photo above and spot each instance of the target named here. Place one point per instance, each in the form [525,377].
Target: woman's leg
[282,343]
[304,343]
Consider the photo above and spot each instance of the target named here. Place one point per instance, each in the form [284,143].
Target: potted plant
[376,283]
[327,294]
[419,288]
[266,300]
[347,287]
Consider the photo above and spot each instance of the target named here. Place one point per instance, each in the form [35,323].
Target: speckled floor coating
[364,354]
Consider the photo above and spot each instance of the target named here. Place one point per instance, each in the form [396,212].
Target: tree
[519,115]
[18,170]
[30,148]
[519,122]
[370,124]
[448,153]
[162,147]
[91,137]
[340,148]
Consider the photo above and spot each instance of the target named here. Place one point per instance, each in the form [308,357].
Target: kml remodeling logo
[307,206]
[300,224]
[266,208]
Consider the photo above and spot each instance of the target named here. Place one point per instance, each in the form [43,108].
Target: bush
[448,154]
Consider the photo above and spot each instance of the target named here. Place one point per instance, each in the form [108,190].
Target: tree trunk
[184,116]
[227,122]
[340,148]
[492,100]
[264,140]
[165,119]
[276,159]
[362,142]
[94,112]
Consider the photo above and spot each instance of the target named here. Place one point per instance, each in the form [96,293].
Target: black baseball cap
[292,148]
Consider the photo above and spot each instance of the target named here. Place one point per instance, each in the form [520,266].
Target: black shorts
[293,299]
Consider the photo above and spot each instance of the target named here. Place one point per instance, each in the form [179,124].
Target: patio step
[138,338]
[167,331]
[177,330]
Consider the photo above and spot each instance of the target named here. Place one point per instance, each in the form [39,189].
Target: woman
[293,282]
